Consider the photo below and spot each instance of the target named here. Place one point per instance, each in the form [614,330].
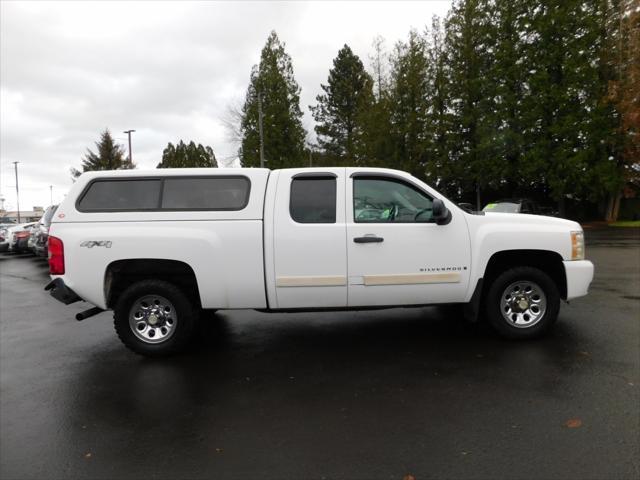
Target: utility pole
[15,166]
[260,129]
[50,194]
[129,132]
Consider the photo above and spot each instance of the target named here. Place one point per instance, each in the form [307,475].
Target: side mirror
[440,213]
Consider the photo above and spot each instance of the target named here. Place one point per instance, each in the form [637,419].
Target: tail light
[56,256]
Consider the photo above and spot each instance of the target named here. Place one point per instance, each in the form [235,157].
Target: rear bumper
[58,290]
[579,276]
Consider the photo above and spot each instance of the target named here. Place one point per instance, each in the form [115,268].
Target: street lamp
[15,166]
[129,132]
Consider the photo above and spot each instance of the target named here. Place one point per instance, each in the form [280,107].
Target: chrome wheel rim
[152,319]
[523,304]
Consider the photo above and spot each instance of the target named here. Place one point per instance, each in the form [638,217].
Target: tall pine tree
[502,142]
[439,170]
[568,126]
[108,156]
[377,141]
[342,108]
[466,34]
[283,133]
[408,104]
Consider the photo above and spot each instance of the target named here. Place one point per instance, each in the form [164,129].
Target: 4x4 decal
[96,243]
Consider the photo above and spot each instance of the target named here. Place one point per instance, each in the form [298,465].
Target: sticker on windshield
[490,206]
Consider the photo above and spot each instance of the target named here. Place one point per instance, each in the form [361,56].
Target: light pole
[129,132]
[15,166]
[50,194]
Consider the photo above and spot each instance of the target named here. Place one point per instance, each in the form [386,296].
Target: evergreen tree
[109,156]
[468,61]
[379,63]
[439,170]
[187,156]
[620,65]
[569,135]
[283,133]
[502,144]
[377,141]
[626,16]
[341,109]
[408,105]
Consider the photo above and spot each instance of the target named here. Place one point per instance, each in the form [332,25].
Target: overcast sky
[169,70]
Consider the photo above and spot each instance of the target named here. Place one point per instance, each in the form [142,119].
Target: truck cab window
[313,200]
[387,200]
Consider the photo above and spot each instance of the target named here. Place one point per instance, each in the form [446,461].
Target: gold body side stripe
[412,278]
[369,280]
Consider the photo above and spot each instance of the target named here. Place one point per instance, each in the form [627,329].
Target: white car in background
[4,240]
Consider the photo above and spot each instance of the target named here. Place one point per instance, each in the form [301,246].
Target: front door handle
[368,239]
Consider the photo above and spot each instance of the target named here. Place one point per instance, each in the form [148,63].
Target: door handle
[368,239]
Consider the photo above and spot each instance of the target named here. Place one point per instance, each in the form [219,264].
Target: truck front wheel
[154,318]
[522,302]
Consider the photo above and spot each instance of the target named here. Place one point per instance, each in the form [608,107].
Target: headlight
[577,245]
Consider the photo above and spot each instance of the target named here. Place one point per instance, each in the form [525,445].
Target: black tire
[497,292]
[186,317]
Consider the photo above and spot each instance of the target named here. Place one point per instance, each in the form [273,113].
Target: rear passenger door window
[313,200]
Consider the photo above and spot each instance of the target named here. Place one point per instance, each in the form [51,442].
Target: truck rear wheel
[523,302]
[154,318]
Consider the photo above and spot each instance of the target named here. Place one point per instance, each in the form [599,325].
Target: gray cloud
[167,69]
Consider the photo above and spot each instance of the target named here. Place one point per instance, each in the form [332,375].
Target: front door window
[386,200]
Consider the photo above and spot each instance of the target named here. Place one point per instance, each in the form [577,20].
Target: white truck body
[259,257]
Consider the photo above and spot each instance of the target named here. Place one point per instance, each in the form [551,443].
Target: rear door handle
[368,239]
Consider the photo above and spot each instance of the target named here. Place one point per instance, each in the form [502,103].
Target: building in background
[26,216]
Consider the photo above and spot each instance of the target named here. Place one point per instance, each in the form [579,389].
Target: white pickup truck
[158,247]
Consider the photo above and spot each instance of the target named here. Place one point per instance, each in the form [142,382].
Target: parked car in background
[467,207]
[518,205]
[41,234]
[4,239]
[19,237]
[31,242]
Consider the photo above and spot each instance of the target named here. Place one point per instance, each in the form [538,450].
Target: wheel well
[122,273]
[548,262]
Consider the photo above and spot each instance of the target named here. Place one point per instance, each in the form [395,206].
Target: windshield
[502,207]
[46,219]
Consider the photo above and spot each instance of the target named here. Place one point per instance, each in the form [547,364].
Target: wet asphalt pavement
[365,395]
